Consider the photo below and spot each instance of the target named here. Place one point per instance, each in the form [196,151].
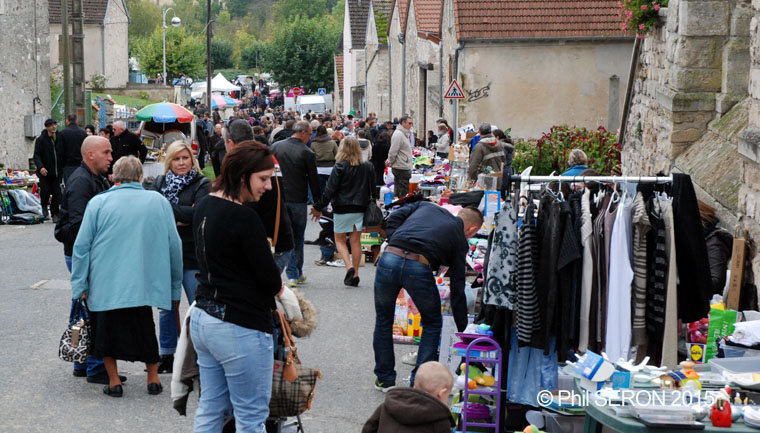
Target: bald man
[83,184]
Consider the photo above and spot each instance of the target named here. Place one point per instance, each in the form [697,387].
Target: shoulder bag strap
[276,233]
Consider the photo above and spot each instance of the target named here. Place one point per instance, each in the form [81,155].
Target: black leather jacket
[349,188]
[184,212]
[82,185]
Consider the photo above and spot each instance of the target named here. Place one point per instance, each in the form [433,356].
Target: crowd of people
[227,242]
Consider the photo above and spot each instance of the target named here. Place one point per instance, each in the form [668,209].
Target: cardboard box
[594,371]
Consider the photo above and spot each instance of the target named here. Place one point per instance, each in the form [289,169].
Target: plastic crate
[736,365]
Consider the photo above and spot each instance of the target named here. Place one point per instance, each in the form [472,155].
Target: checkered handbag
[291,393]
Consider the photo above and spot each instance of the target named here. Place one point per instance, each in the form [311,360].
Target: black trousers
[50,186]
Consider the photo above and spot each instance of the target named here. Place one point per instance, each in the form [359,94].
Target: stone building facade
[570,65]
[376,69]
[696,107]
[422,64]
[106,39]
[397,52]
[24,77]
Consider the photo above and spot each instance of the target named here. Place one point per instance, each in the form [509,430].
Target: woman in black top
[231,325]
[184,186]
[350,189]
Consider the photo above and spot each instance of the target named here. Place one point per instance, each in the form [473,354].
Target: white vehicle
[314,103]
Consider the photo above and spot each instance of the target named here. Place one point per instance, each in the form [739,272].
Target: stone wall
[691,112]
[692,68]
[378,98]
[24,76]
[155,92]
[749,148]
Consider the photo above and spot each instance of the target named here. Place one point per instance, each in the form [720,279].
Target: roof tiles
[94,10]
[403,10]
[428,15]
[339,69]
[358,11]
[500,19]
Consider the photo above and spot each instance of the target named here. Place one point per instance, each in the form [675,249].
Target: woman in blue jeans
[231,326]
[184,186]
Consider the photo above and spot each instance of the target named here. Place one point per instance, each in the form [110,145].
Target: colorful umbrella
[165,112]
[218,101]
[232,101]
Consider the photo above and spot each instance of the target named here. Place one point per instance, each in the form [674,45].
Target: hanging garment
[641,226]
[568,269]
[530,371]
[528,315]
[549,236]
[695,287]
[500,287]
[618,328]
[587,230]
[609,224]
[657,274]
[670,337]
[599,275]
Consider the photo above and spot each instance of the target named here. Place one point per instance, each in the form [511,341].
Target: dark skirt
[128,334]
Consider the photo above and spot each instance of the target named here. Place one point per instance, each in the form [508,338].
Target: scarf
[174,184]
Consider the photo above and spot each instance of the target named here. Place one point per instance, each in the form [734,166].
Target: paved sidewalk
[39,394]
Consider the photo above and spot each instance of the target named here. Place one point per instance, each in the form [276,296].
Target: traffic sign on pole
[454,92]
[322,91]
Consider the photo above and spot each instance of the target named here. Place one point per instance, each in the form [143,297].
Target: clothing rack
[608,179]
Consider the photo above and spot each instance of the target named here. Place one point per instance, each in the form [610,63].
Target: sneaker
[337,263]
[321,262]
[292,283]
[384,386]
[301,280]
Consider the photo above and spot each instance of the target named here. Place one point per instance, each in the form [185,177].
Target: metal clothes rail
[608,179]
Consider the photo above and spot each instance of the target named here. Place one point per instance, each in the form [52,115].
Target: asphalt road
[38,393]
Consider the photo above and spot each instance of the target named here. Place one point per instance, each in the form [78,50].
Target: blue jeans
[236,365]
[167,320]
[297,213]
[282,259]
[93,365]
[393,273]
[323,181]
[327,252]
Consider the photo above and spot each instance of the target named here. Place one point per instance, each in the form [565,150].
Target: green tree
[185,53]
[285,11]
[252,54]
[145,16]
[238,7]
[221,53]
[301,52]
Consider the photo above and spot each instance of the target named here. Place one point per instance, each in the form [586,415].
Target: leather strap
[276,233]
[290,373]
[407,255]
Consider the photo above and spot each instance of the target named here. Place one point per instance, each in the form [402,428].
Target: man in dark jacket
[83,184]
[421,238]
[70,140]
[285,132]
[299,173]
[237,132]
[48,162]
[422,409]
[126,143]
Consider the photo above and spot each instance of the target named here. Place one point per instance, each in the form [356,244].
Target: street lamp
[175,22]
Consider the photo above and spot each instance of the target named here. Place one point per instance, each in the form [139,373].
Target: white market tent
[218,84]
